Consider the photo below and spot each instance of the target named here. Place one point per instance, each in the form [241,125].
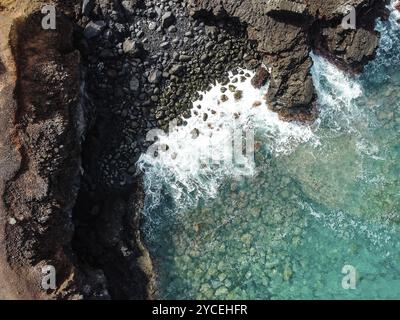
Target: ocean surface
[303,212]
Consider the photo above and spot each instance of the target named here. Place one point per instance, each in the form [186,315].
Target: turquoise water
[287,228]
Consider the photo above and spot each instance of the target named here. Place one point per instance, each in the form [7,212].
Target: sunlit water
[318,197]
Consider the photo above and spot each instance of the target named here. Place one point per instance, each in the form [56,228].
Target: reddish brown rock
[42,124]
[261,78]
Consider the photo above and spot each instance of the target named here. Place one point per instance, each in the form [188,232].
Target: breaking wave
[192,161]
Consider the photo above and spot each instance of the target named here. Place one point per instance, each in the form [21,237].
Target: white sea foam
[185,169]
[183,172]
[348,227]
[343,89]
[337,94]
[387,55]
[394,13]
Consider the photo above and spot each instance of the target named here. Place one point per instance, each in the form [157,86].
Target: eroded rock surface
[40,191]
[287,31]
[42,124]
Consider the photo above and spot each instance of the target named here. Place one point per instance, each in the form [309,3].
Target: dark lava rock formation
[44,120]
[40,174]
[288,30]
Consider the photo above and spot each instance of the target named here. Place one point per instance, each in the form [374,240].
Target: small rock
[256,104]
[106,53]
[152,26]
[158,12]
[238,95]
[232,88]
[132,48]
[261,78]
[211,31]
[172,29]
[93,29]
[87,7]
[129,6]
[204,58]
[287,273]
[195,133]
[184,58]
[164,45]
[252,64]
[167,20]
[176,69]
[134,84]
[112,73]
[221,291]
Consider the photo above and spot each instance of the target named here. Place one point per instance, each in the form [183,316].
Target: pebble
[167,19]
[93,29]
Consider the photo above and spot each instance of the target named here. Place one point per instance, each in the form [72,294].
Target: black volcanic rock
[167,19]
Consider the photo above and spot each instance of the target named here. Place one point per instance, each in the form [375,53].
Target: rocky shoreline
[286,33]
[87,93]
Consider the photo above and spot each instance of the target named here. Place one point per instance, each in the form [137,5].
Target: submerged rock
[238,95]
[224,98]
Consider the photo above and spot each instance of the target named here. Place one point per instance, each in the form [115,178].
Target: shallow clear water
[317,198]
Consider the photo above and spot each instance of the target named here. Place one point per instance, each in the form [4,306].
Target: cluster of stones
[146,63]
[200,72]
